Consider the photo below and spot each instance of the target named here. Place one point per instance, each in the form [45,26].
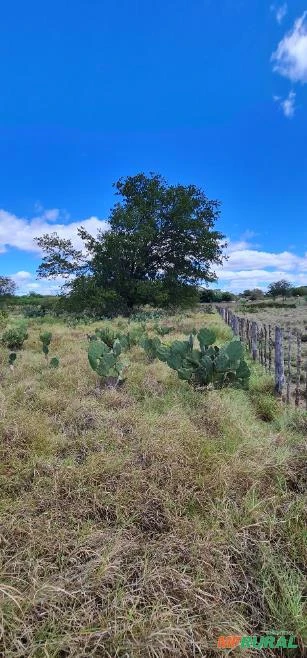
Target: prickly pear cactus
[45,338]
[210,364]
[105,361]
[108,336]
[151,346]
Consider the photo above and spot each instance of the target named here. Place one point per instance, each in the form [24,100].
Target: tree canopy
[280,288]
[161,242]
[7,286]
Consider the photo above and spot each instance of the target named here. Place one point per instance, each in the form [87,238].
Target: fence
[278,350]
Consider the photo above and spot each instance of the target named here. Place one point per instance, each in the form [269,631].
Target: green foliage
[253,295]
[3,318]
[54,362]
[224,366]
[300,291]
[104,360]
[14,337]
[208,295]
[146,316]
[280,288]
[34,312]
[7,286]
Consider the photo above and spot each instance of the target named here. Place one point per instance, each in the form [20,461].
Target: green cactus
[104,360]
[45,338]
[126,340]
[12,359]
[206,337]
[219,367]
[151,346]
[163,330]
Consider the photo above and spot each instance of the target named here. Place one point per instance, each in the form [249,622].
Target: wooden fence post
[279,361]
[265,347]
[298,368]
[236,325]
[270,348]
[261,336]
[254,340]
[288,365]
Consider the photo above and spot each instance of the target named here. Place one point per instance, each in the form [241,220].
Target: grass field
[148,520]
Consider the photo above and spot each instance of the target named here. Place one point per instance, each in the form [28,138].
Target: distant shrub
[14,337]
[33,312]
[145,316]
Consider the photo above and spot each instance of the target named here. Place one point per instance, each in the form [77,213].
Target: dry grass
[144,521]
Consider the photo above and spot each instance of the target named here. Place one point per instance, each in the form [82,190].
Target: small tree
[255,294]
[279,289]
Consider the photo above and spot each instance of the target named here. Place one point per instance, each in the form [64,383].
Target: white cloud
[287,104]
[21,276]
[250,267]
[290,57]
[19,232]
[26,281]
[280,11]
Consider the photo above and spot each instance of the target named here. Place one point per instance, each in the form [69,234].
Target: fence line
[274,354]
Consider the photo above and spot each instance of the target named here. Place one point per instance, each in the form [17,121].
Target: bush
[14,337]
[33,312]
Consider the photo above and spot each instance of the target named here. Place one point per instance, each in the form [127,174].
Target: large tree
[160,244]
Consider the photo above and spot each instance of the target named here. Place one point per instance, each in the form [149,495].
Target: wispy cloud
[287,104]
[290,57]
[280,11]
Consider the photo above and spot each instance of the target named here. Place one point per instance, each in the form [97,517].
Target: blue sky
[205,92]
